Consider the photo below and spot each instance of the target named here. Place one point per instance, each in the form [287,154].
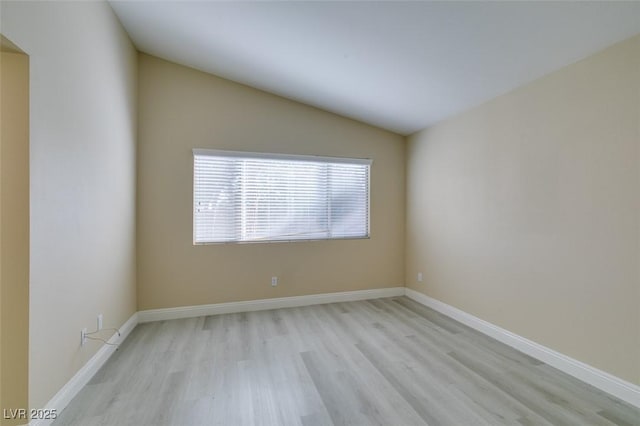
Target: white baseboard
[266,304]
[604,381]
[64,396]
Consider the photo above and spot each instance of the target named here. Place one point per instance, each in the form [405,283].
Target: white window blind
[243,197]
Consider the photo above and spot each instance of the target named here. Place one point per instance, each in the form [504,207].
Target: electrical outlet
[83,336]
[419,277]
[99,322]
[274,281]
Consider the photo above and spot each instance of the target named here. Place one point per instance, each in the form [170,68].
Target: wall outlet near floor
[419,277]
[274,281]
[99,325]
[83,336]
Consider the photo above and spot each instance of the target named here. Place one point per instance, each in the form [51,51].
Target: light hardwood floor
[378,362]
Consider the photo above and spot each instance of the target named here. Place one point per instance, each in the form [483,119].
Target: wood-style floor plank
[378,362]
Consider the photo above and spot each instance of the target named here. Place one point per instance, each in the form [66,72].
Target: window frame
[282,157]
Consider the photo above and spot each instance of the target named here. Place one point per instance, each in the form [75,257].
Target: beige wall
[82,129]
[14,232]
[525,211]
[181,109]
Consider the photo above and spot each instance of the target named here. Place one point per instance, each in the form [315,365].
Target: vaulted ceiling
[397,65]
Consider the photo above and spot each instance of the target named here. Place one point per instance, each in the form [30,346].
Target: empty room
[319,213]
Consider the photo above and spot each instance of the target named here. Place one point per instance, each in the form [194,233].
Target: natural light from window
[252,197]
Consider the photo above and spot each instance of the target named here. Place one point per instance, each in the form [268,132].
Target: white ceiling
[401,66]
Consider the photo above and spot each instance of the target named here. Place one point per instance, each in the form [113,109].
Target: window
[244,197]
